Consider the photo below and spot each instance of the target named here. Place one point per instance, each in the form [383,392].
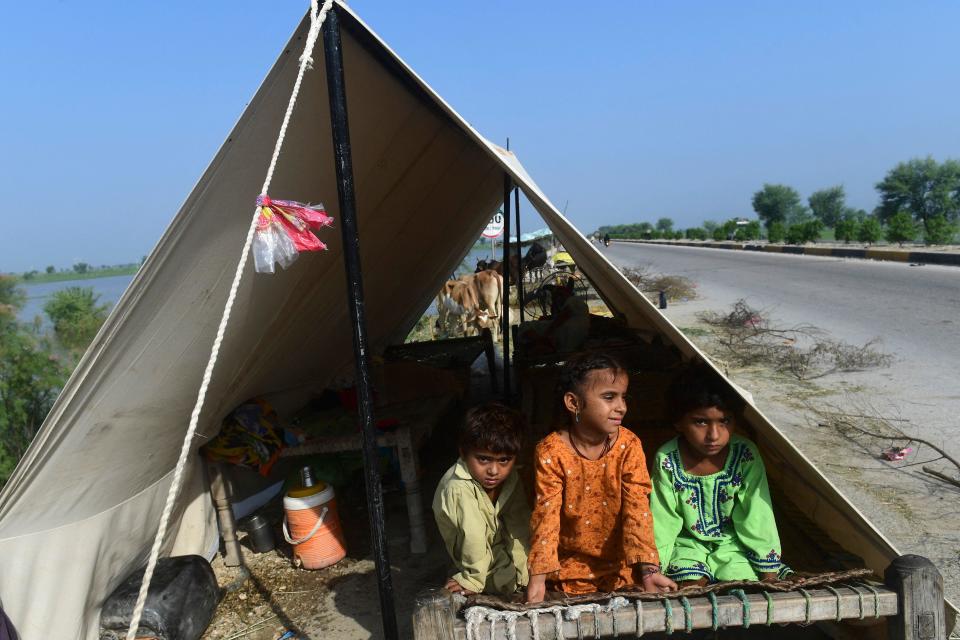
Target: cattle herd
[473,302]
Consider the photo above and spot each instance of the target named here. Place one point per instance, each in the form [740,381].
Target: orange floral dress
[591,521]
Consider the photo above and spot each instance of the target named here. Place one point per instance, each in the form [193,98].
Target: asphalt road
[914,310]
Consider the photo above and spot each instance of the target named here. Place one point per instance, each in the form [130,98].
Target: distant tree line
[919,200]
[34,365]
[80,270]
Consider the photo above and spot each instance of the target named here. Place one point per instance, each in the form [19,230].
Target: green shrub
[776,232]
[939,230]
[75,315]
[870,230]
[901,228]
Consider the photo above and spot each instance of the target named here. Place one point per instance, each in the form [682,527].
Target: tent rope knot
[317,17]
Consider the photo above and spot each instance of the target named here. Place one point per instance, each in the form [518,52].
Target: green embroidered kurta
[487,542]
[720,526]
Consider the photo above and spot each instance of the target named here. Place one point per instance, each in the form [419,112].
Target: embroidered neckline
[709,524]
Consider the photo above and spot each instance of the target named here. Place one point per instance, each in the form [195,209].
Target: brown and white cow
[470,303]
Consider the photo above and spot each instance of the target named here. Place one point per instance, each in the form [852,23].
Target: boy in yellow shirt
[481,508]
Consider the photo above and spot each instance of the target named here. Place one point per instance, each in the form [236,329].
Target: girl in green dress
[713,519]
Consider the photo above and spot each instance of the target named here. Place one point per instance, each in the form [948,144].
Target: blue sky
[628,110]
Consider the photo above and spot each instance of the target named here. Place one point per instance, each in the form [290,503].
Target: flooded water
[109,289]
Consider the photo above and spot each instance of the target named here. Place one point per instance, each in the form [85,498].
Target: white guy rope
[317,16]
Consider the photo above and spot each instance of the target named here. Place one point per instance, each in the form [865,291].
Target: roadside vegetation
[34,365]
[79,271]
[919,201]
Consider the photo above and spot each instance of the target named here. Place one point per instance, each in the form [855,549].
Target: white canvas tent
[81,510]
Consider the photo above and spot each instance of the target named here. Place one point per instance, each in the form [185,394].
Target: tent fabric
[80,512]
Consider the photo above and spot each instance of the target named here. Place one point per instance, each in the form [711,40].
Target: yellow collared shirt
[488,542]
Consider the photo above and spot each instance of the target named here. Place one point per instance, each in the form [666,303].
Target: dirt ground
[268,596]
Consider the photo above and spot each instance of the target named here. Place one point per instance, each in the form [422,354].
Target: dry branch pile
[675,287]
[746,337]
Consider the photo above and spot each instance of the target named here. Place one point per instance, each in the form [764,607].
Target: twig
[256,626]
[942,476]
[857,415]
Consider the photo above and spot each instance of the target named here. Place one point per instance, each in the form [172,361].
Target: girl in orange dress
[591,528]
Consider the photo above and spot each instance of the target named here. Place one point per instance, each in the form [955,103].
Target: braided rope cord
[742,597]
[769,608]
[714,610]
[806,611]
[876,597]
[836,594]
[668,616]
[317,16]
[687,614]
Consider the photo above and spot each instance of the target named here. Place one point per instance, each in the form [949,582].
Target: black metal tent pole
[520,291]
[336,90]
[507,188]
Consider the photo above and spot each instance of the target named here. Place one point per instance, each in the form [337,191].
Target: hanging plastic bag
[272,244]
[284,229]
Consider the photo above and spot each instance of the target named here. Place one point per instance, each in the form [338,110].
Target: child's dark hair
[493,427]
[697,388]
[574,373]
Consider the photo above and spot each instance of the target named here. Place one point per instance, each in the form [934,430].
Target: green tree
[747,232]
[30,378]
[75,315]
[828,204]
[718,234]
[12,298]
[709,226]
[696,233]
[901,228]
[776,203]
[939,230]
[51,269]
[846,228]
[776,232]
[923,188]
[870,230]
[81,267]
[665,225]
[804,232]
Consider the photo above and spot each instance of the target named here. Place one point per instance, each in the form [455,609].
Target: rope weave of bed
[800,580]
[480,609]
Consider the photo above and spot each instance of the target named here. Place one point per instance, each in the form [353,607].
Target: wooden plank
[787,608]
[220,492]
[920,588]
[407,454]
[435,616]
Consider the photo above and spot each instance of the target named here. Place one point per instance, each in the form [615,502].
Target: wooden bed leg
[920,589]
[491,359]
[434,615]
[220,491]
[411,484]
